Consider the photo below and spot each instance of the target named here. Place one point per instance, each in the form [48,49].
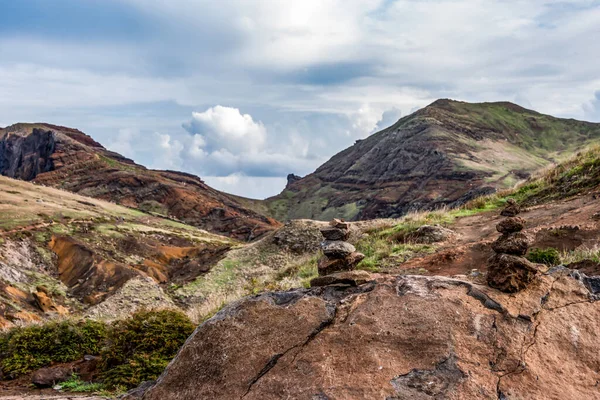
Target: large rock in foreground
[407,337]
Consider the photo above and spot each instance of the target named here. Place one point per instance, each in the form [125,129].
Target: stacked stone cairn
[508,270]
[338,254]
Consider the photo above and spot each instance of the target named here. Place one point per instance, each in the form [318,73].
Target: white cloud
[310,76]
[225,128]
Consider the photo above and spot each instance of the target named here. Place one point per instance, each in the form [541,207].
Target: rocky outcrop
[338,255]
[431,234]
[69,159]
[403,337]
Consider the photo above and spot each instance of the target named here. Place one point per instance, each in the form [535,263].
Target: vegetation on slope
[133,350]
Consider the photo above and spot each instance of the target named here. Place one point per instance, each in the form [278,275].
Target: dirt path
[470,249]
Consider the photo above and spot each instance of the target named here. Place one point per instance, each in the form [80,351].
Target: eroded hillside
[442,155]
[62,253]
[69,159]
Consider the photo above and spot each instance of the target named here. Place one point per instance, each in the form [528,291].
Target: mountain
[69,159]
[442,155]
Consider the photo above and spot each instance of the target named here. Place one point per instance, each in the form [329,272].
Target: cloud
[388,118]
[592,108]
[297,81]
[226,129]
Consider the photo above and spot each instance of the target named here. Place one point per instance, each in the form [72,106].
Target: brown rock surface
[514,243]
[511,210]
[511,225]
[405,337]
[328,266]
[352,278]
[510,273]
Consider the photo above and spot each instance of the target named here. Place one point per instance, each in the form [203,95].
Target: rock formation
[402,337]
[338,255]
[508,271]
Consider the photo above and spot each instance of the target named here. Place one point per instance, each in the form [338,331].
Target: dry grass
[581,254]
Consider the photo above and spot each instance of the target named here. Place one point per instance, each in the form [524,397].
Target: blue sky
[243,92]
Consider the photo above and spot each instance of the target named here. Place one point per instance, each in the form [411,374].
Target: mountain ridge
[69,159]
[441,155]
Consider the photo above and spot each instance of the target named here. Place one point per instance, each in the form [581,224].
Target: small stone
[48,377]
[332,233]
[509,273]
[328,266]
[337,249]
[350,278]
[511,225]
[513,243]
[339,223]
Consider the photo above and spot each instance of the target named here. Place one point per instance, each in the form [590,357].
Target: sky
[244,92]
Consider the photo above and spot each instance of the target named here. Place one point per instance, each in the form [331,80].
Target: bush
[549,256]
[139,348]
[26,349]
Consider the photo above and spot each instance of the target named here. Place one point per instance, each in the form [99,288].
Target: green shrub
[25,349]
[549,256]
[139,348]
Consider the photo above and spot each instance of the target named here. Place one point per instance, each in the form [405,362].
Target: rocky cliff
[442,155]
[68,159]
[376,341]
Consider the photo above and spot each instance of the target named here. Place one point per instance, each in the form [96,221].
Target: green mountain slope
[442,155]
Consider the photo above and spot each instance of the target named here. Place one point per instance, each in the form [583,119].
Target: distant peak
[75,134]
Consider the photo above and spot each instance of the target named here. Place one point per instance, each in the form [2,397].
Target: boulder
[511,225]
[514,243]
[431,234]
[48,377]
[328,266]
[404,337]
[351,278]
[509,273]
[337,249]
[332,233]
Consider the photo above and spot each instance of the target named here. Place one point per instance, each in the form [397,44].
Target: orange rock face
[405,337]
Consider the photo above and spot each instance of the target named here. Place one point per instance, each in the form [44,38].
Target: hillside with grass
[65,254]
[442,155]
[68,159]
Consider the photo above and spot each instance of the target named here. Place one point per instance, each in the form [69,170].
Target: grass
[75,384]
[581,254]
[548,256]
